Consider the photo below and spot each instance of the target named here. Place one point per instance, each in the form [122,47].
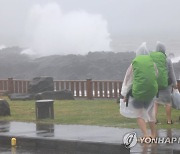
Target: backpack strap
[127,97]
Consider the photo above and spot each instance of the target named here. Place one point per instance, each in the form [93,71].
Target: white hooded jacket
[128,79]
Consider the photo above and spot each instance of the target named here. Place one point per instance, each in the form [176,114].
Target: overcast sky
[78,26]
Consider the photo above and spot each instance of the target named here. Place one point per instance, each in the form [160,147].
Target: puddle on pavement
[21,150]
[44,130]
[161,148]
[47,130]
[155,149]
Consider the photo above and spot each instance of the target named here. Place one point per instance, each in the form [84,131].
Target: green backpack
[144,78]
[160,59]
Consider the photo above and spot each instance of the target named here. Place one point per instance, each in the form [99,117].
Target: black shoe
[170,122]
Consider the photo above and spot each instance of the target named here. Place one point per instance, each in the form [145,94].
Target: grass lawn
[86,112]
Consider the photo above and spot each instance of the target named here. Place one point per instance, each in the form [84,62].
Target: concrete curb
[66,146]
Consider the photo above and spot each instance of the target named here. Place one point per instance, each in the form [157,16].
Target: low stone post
[44,109]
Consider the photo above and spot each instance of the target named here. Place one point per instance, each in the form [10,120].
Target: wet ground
[82,139]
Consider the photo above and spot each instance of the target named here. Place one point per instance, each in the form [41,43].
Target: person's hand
[124,99]
[175,87]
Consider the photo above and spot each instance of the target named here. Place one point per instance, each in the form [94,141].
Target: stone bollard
[4,108]
[44,109]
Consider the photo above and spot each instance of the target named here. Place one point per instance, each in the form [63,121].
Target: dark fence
[80,88]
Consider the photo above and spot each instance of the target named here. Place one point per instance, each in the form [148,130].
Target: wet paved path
[77,136]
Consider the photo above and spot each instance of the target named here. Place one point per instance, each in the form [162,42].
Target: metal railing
[80,88]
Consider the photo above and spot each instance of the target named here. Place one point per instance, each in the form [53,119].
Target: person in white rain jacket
[140,86]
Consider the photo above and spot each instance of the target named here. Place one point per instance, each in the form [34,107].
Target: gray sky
[78,26]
